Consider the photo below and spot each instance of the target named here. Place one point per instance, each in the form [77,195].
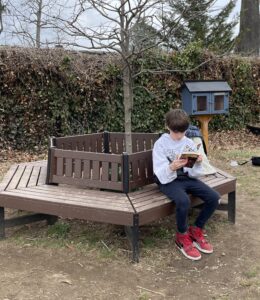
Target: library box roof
[207,86]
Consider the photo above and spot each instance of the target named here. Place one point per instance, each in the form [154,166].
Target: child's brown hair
[177,120]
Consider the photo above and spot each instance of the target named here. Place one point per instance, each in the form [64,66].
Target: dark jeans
[178,191]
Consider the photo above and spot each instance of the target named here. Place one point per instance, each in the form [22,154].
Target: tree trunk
[128,104]
[1,16]
[38,25]
[249,34]
[127,78]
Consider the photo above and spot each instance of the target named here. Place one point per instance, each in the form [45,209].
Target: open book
[192,157]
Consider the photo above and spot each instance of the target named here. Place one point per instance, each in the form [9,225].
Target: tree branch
[165,71]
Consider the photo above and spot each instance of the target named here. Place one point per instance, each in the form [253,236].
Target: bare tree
[2,8]
[119,20]
[249,33]
[28,19]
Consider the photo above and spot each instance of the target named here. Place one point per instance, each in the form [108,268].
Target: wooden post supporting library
[204,124]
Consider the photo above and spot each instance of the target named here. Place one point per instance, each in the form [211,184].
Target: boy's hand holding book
[192,158]
[186,159]
[178,163]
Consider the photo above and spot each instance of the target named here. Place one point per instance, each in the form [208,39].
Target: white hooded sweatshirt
[166,149]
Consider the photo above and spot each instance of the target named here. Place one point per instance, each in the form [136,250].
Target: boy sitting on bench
[176,180]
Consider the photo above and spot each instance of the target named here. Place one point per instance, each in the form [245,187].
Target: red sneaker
[199,240]
[185,245]
[204,232]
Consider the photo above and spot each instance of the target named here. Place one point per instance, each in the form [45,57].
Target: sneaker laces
[199,235]
[187,242]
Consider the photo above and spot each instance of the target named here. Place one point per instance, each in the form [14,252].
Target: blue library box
[206,97]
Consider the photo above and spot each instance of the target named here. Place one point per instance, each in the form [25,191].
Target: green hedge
[56,92]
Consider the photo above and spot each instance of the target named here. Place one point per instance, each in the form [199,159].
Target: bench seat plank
[28,202]
[20,175]
[151,204]
[8,177]
[85,199]
[83,196]
[34,176]
[24,180]
[16,177]
[70,200]
[42,175]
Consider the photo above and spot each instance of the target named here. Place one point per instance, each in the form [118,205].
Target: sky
[221,3]
[94,19]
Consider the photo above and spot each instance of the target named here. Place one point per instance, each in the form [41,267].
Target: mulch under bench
[24,187]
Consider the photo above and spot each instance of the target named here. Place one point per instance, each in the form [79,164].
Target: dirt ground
[75,260]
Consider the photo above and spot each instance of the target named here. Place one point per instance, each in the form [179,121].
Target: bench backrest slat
[96,170]
[141,170]
[117,142]
[78,168]
[105,170]
[86,169]
[87,142]
[140,142]
[114,172]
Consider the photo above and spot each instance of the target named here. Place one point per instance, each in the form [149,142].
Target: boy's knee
[184,204]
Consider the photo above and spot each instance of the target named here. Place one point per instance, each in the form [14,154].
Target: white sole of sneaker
[186,255]
[202,250]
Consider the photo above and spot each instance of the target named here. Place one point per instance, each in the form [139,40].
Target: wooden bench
[43,188]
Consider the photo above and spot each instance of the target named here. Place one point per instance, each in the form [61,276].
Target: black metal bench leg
[2,222]
[132,233]
[232,207]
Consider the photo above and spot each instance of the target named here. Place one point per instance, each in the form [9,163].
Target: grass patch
[252,273]
[163,233]
[149,242]
[246,283]
[91,237]
[234,154]
[105,253]
[101,239]
[144,296]
[251,278]
[41,241]
[59,230]
[240,154]
[245,174]
[221,297]
[152,235]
